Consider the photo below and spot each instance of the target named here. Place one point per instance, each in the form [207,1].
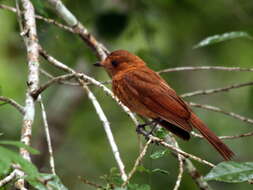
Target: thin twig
[197,68]
[196,176]
[13,103]
[6,7]
[43,87]
[216,109]
[107,129]
[215,90]
[49,143]
[54,61]
[137,163]
[50,76]
[92,184]
[226,137]
[180,161]
[165,144]
[8,178]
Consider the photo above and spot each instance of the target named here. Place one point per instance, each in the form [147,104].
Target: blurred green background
[163,33]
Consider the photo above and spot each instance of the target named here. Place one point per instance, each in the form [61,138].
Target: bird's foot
[142,130]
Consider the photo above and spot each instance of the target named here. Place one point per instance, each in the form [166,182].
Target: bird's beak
[97,64]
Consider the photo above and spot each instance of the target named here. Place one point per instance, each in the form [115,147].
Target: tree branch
[197,68]
[49,143]
[215,90]
[107,129]
[8,178]
[13,103]
[216,109]
[196,176]
[177,150]
[137,162]
[37,92]
[28,30]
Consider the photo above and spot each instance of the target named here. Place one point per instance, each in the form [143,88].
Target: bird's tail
[223,149]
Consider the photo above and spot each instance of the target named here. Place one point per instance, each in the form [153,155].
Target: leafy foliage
[231,172]
[37,180]
[158,170]
[46,181]
[223,37]
[11,157]
[20,145]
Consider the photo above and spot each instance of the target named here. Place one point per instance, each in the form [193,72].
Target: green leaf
[14,157]
[158,154]
[46,181]
[5,164]
[223,37]
[232,172]
[160,171]
[20,145]
[143,169]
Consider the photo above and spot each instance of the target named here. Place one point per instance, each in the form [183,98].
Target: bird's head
[120,61]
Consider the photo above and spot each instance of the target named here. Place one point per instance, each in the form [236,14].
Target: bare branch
[31,42]
[205,68]
[170,138]
[165,144]
[54,61]
[49,143]
[216,109]
[6,7]
[92,184]
[13,103]
[37,92]
[226,137]
[215,90]
[29,33]
[8,178]
[48,75]
[137,163]
[107,129]
[196,176]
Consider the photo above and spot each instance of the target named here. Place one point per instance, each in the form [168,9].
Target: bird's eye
[115,63]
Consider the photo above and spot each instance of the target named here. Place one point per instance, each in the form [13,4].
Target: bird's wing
[157,96]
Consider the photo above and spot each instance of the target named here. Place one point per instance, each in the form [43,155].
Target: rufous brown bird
[144,92]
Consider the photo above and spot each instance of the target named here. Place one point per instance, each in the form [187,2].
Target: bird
[146,93]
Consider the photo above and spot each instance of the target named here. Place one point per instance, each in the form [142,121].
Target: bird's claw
[140,127]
